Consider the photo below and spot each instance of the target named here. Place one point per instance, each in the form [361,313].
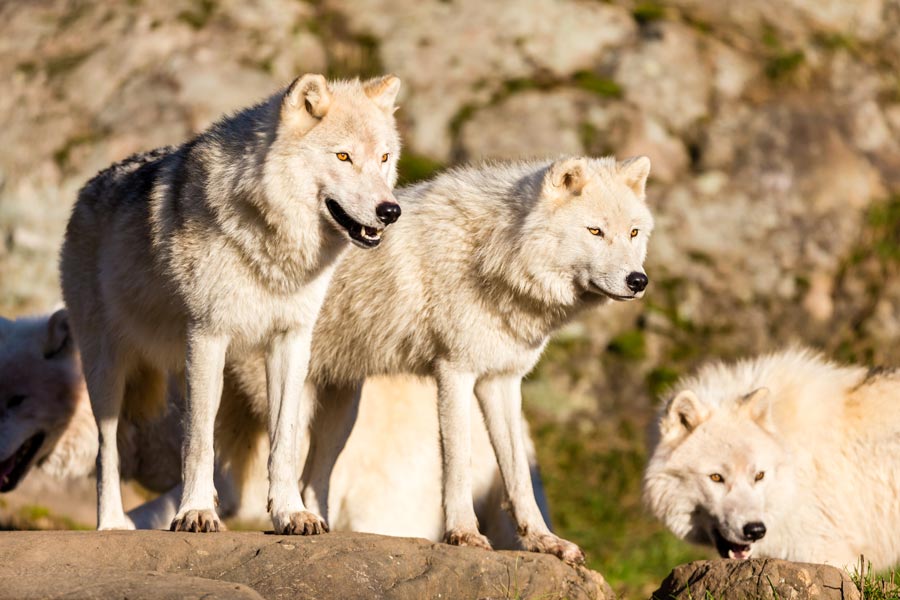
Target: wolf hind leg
[500,399]
[105,379]
[454,406]
[331,427]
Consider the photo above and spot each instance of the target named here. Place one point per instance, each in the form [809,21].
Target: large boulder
[160,564]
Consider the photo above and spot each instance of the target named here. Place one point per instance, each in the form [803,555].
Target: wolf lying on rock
[783,456]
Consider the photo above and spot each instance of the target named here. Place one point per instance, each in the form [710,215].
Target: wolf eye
[344,157]
[717,478]
[384,157]
[634,233]
[15,401]
[595,231]
[759,476]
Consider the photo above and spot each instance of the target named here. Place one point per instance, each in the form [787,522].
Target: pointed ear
[683,414]
[565,177]
[757,406]
[634,172]
[308,97]
[58,340]
[383,92]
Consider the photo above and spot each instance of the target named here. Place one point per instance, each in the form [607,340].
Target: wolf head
[39,386]
[340,137]
[600,222]
[716,470]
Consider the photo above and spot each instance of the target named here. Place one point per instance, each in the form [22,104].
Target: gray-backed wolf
[484,266]
[225,244]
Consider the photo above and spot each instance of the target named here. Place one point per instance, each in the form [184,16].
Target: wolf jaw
[728,549]
[593,287]
[15,466]
[362,235]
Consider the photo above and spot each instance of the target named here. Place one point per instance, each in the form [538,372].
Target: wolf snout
[636,282]
[388,212]
[755,531]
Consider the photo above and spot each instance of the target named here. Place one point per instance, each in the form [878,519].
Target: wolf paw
[465,537]
[298,523]
[198,521]
[547,543]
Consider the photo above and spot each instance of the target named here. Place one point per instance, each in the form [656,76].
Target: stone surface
[759,579]
[160,564]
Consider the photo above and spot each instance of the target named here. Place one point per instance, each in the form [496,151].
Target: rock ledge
[159,564]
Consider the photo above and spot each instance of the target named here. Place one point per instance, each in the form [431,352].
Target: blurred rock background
[773,128]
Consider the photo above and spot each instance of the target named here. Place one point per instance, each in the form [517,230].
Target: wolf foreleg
[205,368]
[454,405]
[290,412]
[500,399]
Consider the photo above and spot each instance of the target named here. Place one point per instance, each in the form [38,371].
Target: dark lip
[353,228]
[723,545]
[599,290]
[15,467]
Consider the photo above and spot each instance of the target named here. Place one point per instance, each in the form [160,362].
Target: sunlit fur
[486,263]
[223,243]
[386,481]
[826,437]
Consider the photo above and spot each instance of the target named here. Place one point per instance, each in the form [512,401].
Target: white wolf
[485,265]
[785,456]
[226,244]
[386,481]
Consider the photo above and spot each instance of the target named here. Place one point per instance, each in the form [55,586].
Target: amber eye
[384,157]
[595,231]
[717,478]
[634,233]
[759,476]
[343,156]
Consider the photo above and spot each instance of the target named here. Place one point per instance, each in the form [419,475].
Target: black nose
[387,212]
[636,282]
[755,531]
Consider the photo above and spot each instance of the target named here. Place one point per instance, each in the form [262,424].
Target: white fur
[175,258]
[483,267]
[825,437]
[387,479]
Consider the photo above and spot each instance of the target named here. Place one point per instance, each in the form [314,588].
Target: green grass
[199,14]
[592,472]
[647,12]
[416,167]
[596,84]
[877,586]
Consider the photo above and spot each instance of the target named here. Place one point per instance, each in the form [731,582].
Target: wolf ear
[683,414]
[634,172]
[310,94]
[566,176]
[757,406]
[58,338]
[383,92]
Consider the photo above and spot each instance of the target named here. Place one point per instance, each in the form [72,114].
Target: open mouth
[730,549]
[367,237]
[13,468]
[599,290]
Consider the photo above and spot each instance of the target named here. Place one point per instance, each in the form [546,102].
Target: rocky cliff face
[773,128]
